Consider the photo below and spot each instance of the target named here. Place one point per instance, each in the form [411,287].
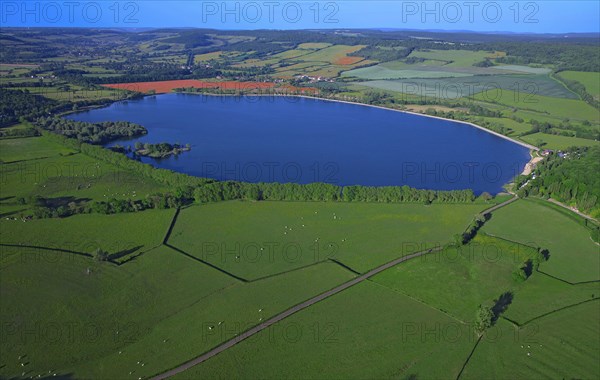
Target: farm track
[255,330]
[301,306]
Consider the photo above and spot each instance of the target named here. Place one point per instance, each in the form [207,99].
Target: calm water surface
[286,139]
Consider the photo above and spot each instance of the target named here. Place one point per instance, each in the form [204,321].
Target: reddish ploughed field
[348,60]
[168,86]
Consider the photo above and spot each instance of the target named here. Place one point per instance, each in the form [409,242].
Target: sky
[548,16]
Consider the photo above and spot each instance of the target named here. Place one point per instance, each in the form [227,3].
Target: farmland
[341,338]
[267,238]
[561,344]
[111,268]
[573,255]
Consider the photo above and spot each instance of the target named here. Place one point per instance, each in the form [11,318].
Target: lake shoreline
[523,144]
[525,171]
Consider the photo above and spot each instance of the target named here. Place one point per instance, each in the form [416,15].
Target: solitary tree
[483,319]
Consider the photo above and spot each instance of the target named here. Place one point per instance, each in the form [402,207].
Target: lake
[290,139]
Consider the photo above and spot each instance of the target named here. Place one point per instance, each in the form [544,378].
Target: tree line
[92,133]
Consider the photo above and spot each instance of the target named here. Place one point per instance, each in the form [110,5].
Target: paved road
[255,330]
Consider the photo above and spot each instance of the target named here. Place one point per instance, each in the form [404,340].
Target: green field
[496,88]
[294,234]
[367,331]
[103,304]
[458,58]
[479,272]
[37,166]
[556,141]
[591,81]
[574,257]
[544,105]
[561,345]
[21,149]
[382,72]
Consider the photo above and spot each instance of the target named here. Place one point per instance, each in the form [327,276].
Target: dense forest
[15,104]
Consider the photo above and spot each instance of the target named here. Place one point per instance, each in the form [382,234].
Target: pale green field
[591,81]
[556,141]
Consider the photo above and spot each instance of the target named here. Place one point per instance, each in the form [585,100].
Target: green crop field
[574,257]
[496,88]
[560,345]
[556,141]
[297,234]
[367,331]
[382,72]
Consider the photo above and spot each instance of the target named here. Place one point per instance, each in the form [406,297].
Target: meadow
[101,303]
[367,331]
[479,272]
[573,255]
[257,239]
[37,166]
[590,80]
[557,142]
[563,344]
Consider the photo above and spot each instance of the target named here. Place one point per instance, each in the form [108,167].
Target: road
[279,317]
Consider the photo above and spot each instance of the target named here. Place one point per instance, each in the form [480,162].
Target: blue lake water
[288,139]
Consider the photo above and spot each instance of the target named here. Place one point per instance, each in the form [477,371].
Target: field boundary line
[205,263]
[558,310]
[418,300]
[469,357]
[290,311]
[345,266]
[46,249]
[171,226]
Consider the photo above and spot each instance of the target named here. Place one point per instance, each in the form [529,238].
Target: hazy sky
[549,16]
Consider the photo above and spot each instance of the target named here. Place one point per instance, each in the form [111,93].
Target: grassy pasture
[556,141]
[80,304]
[591,81]
[19,149]
[367,331]
[550,106]
[560,345]
[38,166]
[230,235]
[183,331]
[542,294]
[454,58]
[117,234]
[458,280]
[574,257]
